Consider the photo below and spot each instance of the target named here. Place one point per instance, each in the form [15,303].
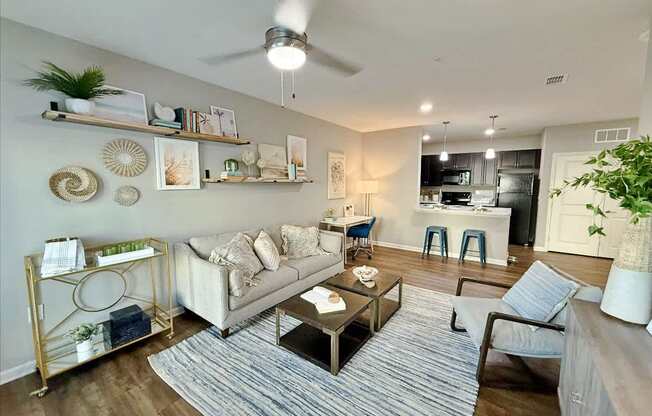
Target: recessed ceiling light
[425,107]
[426,137]
[489,131]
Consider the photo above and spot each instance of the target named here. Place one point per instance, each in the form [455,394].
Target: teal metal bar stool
[443,240]
[478,235]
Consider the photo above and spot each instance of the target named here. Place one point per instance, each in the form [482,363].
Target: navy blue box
[126,325]
[126,316]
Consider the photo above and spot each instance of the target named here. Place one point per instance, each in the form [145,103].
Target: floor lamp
[367,188]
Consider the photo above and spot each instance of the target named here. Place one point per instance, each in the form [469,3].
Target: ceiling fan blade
[294,14]
[229,57]
[329,61]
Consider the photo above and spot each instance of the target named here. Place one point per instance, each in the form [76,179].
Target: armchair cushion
[507,337]
[540,293]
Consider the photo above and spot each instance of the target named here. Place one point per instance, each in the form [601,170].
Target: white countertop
[493,212]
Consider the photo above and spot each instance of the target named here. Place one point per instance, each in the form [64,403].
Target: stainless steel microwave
[456,177]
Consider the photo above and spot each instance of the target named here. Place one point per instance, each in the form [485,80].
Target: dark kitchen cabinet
[520,159]
[477,168]
[490,171]
[430,170]
[461,160]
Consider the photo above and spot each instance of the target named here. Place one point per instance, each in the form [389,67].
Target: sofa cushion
[310,265]
[268,282]
[238,254]
[203,245]
[266,251]
[540,293]
[299,242]
[507,337]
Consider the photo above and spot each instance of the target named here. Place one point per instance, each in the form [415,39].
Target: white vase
[84,346]
[628,295]
[80,106]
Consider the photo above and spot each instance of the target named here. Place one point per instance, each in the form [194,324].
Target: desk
[345,223]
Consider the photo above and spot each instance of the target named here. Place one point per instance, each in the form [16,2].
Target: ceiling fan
[286,44]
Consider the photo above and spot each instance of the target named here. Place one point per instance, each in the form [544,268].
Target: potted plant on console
[624,173]
[82,335]
[80,88]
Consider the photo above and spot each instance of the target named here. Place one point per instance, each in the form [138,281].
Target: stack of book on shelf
[197,122]
[164,123]
[325,300]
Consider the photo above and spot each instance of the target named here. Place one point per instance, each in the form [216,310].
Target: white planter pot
[79,106]
[84,346]
[628,295]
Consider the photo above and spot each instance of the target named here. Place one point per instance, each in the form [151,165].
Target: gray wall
[33,148]
[570,138]
[532,141]
[646,106]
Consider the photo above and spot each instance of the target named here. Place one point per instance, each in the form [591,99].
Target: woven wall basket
[124,157]
[74,184]
[126,195]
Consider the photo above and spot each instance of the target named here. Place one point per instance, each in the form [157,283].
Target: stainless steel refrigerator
[518,191]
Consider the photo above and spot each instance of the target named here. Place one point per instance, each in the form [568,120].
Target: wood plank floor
[124,383]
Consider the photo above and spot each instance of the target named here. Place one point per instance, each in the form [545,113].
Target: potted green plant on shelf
[624,173]
[82,335]
[80,87]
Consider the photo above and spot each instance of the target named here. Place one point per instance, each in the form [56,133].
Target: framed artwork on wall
[177,164]
[128,107]
[272,162]
[336,175]
[297,151]
[226,118]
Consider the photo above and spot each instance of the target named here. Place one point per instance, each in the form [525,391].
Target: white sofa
[203,287]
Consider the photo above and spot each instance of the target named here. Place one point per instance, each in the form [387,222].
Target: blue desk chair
[359,232]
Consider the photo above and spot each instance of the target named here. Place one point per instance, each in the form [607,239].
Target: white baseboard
[29,367]
[451,254]
[539,248]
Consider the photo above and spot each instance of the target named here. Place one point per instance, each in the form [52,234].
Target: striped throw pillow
[540,293]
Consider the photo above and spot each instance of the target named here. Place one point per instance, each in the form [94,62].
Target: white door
[568,218]
[614,227]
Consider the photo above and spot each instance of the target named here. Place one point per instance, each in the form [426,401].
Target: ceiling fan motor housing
[280,36]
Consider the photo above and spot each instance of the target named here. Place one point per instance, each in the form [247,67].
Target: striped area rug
[414,366]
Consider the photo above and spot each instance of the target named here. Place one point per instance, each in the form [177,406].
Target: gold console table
[54,352]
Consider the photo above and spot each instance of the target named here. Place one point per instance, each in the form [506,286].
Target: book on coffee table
[318,296]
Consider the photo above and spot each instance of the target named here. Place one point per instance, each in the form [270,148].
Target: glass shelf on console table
[54,351]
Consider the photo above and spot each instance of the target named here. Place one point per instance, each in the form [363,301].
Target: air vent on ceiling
[556,79]
[612,135]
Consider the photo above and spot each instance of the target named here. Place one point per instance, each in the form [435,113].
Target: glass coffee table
[384,307]
[328,340]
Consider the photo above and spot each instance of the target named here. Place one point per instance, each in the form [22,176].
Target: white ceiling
[495,55]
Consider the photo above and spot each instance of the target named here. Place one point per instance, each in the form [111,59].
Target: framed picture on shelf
[272,161]
[336,175]
[348,210]
[128,107]
[226,120]
[177,164]
[209,124]
[297,151]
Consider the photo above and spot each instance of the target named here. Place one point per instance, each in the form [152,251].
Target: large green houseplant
[624,173]
[80,87]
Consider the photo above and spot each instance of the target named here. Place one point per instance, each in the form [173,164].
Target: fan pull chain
[293,94]
[282,92]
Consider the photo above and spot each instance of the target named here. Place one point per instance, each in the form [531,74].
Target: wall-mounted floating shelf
[257,180]
[163,131]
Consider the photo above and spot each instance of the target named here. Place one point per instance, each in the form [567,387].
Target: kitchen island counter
[466,210]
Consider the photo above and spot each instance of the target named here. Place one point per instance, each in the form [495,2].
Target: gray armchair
[493,324]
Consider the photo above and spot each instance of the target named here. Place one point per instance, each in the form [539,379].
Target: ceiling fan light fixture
[286,58]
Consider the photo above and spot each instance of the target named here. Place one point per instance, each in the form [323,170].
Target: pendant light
[444,154]
[491,153]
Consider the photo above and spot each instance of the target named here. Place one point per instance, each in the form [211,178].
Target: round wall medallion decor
[126,195]
[73,184]
[124,157]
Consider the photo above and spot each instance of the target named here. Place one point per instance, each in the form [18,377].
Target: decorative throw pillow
[238,256]
[267,252]
[540,293]
[299,242]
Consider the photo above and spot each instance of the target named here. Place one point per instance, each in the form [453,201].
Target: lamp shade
[368,187]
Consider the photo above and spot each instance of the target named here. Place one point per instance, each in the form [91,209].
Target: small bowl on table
[366,275]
